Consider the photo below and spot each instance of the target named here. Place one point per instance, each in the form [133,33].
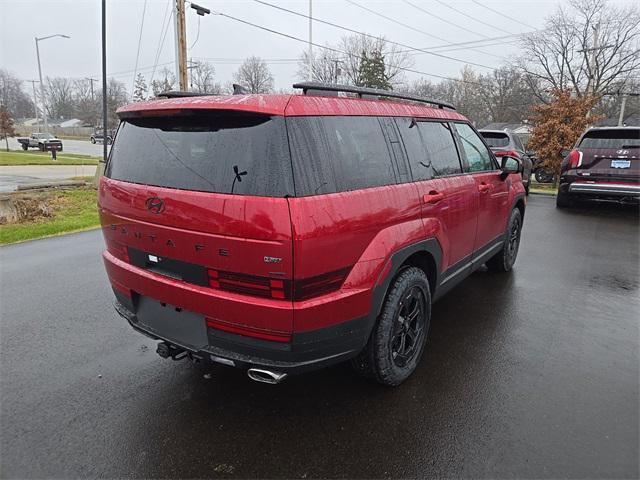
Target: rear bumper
[608,189]
[307,351]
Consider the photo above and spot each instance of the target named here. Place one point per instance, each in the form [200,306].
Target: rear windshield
[495,139]
[239,154]
[614,139]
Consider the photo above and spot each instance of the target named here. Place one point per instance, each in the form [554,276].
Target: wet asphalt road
[532,374]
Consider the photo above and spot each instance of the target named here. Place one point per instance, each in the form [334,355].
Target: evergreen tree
[140,89]
[372,71]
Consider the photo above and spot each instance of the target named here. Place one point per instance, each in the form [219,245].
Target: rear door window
[612,139]
[338,154]
[441,152]
[477,154]
[238,154]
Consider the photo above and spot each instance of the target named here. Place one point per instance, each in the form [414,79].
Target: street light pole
[44,105]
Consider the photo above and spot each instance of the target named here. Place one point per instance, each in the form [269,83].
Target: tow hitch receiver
[166,350]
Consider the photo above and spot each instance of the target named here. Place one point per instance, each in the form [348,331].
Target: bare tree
[85,101]
[588,49]
[203,78]
[326,67]
[254,74]
[15,100]
[166,82]
[341,63]
[60,97]
[116,97]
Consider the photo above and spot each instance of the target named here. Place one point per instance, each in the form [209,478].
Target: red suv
[283,233]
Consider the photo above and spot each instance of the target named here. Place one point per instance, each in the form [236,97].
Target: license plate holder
[185,328]
[620,163]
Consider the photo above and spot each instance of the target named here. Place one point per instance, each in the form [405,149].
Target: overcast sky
[225,42]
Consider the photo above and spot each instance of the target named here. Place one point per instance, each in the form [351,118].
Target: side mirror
[509,165]
[564,152]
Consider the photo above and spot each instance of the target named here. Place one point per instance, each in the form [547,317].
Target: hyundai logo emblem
[155,204]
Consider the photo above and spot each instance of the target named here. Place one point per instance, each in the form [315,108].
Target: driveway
[531,374]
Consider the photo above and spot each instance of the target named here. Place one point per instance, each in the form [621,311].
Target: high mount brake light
[574,159]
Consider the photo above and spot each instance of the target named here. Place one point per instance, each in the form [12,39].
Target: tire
[41,147]
[109,141]
[542,176]
[93,140]
[563,200]
[503,260]
[396,345]
[25,146]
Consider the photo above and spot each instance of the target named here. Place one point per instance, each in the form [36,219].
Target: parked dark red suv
[283,233]
[603,165]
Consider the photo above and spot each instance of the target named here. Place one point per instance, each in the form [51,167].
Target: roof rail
[180,94]
[317,88]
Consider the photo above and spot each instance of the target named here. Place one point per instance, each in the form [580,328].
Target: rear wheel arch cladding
[425,253]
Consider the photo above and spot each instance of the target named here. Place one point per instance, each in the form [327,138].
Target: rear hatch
[610,155]
[202,198]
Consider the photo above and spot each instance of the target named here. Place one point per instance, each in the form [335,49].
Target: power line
[393,20]
[469,16]
[325,47]
[144,10]
[444,19]
[371,36]
[161,41]
[502,14]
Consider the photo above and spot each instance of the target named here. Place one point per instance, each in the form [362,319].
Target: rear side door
[448,198]
[492,190]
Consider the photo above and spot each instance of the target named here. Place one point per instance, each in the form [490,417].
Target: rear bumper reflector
[248,332]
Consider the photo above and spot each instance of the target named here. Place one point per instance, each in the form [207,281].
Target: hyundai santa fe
[284,233]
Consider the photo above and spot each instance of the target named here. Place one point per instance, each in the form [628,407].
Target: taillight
[249,284]
[276,288]
[248,331]
[574,159]
[507,153]
[315,286]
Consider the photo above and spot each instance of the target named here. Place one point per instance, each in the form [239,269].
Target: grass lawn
[546,188]
[20,157]
[73,210]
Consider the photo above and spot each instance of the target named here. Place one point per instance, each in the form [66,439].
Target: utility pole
[594,56]
[181,45]
[622,108]
[310,40]
[35,102]
[105,113]
[91,80]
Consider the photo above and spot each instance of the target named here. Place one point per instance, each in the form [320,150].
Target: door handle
[433,197]
[484,188]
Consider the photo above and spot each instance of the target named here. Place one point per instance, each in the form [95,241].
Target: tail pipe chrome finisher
[265,376]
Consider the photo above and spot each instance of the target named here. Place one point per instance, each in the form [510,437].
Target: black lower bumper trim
[307,351]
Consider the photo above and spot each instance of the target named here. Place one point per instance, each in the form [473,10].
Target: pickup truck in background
[41,141]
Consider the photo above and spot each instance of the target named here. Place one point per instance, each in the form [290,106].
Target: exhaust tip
[265,376]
